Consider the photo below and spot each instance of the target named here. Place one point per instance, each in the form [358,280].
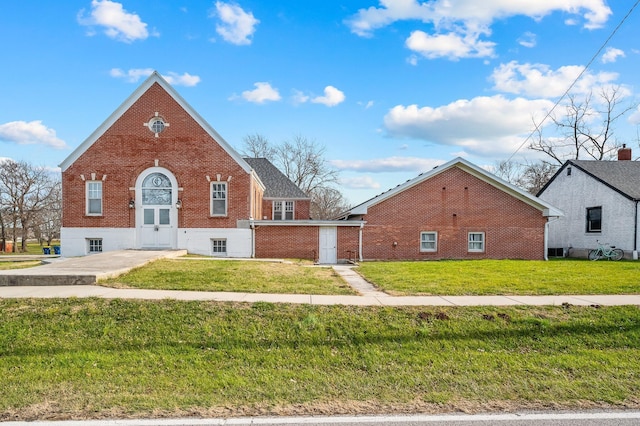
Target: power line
[593,58]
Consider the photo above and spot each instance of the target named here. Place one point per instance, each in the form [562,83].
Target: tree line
[30,204]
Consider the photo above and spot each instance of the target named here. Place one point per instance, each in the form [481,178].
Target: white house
[600,203]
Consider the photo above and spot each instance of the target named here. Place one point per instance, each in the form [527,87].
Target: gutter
[360,241]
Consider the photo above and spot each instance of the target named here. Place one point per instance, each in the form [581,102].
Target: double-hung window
[428,241]
[94,198]
[219,198]
[283,210]
[594,219]
[476,242]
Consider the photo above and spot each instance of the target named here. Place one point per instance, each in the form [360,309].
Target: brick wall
[453,203]
[128,147]
[302,242]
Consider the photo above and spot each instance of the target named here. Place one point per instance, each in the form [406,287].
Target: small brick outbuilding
[455,211]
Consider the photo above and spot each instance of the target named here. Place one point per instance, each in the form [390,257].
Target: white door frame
[328,245]
[172,228]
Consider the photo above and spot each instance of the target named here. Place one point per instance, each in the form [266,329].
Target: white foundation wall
[198,241]
[74,241]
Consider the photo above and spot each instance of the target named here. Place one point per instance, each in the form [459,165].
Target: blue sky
[391,88]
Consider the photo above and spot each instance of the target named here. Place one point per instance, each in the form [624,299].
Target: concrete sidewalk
[81,274]
[114,293]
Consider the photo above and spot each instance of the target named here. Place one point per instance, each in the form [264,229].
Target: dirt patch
[49,410]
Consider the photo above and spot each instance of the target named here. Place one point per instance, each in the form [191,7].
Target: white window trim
[219,253]
[283,211]
[435,246]
[226,199]
[89,251]
[484,242]
[87,199]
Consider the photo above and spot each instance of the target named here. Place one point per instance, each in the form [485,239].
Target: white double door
[156,210]
[157,230]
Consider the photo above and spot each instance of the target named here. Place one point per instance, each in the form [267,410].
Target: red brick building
[454,211]
[156,175]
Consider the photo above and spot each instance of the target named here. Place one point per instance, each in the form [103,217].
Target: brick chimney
[624,153]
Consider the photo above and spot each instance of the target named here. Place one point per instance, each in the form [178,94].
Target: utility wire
[593,58]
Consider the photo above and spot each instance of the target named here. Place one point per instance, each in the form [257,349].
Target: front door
[156,217]
[328,245]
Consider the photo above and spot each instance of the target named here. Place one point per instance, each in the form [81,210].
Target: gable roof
[621,176]
[154,78]
[277,185]
[546,208]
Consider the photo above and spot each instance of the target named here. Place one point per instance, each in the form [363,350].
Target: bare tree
[327,203]
[531,177]
[302,160]
[46,226]
[257,146]
[586,129]
[24,192]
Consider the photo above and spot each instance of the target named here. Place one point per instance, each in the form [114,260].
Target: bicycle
[606,251]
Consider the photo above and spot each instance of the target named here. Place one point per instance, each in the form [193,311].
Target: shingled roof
[277,185]
[621,176]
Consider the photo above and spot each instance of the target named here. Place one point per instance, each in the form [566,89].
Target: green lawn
[4,265]
[119,358]
[234,275]
[509,277]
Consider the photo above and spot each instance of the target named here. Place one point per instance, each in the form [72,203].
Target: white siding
[573,195]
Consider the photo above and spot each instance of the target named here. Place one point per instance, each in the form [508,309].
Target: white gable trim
[480,173]
[153,78]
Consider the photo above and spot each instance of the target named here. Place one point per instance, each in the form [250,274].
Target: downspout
[360,241]
[635,233]
[253,238]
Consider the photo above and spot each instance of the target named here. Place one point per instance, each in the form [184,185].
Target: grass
[235,276]
[32,248]
[4,265]
[504,277]
[121,358]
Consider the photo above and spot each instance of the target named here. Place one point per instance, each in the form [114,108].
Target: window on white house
[594,219]
[94,198]
[95,245]
[476,242]
[283,210]
[219,247]
[218,198]
[428,241]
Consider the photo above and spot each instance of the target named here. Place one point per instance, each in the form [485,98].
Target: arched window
[156,190]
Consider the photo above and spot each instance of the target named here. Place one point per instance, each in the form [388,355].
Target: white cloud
[359,182]
[135,74]
[611,55]
[451,45]
[185,79]
[299,97]
[261,94]
[634,118]
[482,125]
[30,133]
[458,24]
[236,26]
[538,80]
[332,97]
[468,13]
[390,164]
[117,22]
[528,39]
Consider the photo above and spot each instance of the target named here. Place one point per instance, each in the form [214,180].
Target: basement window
[95,245]
[219,247]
